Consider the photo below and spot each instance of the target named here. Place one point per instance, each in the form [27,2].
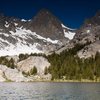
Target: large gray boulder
[8,74]
[33,61]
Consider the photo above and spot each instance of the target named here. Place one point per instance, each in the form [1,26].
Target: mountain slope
[42,34]
[89,33]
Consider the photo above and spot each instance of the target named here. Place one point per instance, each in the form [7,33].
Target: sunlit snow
[18,49]
[88,31]
[6,25]
[16,24]
[21,46]
[68,34]
[66,27]
[23,33]
[23,20]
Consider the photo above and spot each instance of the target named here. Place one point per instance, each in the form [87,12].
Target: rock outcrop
[47,25]
[14,75]
[8,74]
[89,33]
[89,50]
[34,61]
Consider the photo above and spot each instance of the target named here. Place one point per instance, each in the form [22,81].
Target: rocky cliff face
[8,74]
[89,32]
[47,25]
[33,61]
[90,50]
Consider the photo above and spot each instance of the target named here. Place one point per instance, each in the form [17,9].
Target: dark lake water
[49,91]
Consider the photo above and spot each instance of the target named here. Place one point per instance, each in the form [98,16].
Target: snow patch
[23,34]
[19,48]
[6,35]
[22,46]
[16,24]
[66,27]
[6,22]
[88,31]
[6,25]
[23,20]
[29,20]
[69,35]
[1,40]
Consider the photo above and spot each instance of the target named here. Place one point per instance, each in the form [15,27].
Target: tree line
[67,65]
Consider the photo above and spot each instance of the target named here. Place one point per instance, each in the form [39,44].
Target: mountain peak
[44,11]
[96,19]
[47,25]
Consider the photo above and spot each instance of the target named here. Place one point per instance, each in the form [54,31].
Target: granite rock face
[15,75]
[34,61]
[89,33]
[89,50]
[8,74]
[47,25]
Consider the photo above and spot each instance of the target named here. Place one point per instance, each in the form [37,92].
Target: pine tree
[33,71]
[46,71]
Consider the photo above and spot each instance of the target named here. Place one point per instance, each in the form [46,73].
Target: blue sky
[71,12]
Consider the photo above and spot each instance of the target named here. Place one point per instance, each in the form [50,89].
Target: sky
[71,12]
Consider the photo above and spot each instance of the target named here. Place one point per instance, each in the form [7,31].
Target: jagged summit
[45,11]
[47,25]
[89,32]
[95,20]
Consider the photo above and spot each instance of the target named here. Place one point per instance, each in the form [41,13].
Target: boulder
[8,74]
